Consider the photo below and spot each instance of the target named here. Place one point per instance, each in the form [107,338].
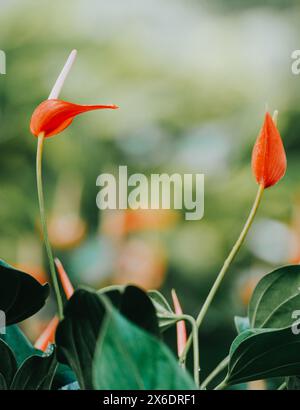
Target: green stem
[282,386]
[195,340]
[222,385]
[39,156]
[195,347]
[227,263]
[221,366]
[230,257]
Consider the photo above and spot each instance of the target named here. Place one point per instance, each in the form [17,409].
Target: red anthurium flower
[268,156]
[48,335]
[64,279]
[53,116]
[180,326]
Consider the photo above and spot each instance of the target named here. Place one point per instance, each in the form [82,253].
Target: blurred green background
[192,79]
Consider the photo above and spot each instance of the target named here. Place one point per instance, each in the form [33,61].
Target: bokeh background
[192,79]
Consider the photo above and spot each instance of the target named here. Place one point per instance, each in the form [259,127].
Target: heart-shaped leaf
[126,299]
[77,334]
[8,364]
[264,353]
[23,349]
[20,294]
[36,373]
[19,343]
[275,298]
[137,307]
[128,358]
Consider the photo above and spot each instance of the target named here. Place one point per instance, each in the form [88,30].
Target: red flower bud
[268,156]
[48,335]
[53,116]
[64,279]
[180,326]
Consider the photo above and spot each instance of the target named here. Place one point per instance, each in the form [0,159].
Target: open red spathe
[53,116]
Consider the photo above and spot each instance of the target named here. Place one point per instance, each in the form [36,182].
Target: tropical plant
[113,338]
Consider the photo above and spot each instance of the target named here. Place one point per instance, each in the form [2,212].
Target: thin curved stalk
[227,263]
[194,336]
[220,367]
[282,386]
[222,385]
[39,156]
[231,256]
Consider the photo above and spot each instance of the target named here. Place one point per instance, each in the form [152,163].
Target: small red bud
[180,326]
[268,156]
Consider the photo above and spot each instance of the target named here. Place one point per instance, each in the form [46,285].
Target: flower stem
[39,156]
[231,256]
[220,367]
[222,385]
[282,386]
[227,263]
[194,338]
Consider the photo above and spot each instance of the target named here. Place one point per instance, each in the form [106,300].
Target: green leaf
[137,307]
[71,386]
[275,298]
[111,289]
[63,376]
[160,302]
[241,323]
[293,383]
[20,294]
[3,385]
[8,364]
[114,293]
[36,373]
[19,343]
[264,353]
[162,308]
[129,358]
[77,334]
[270,348]
[126,299]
